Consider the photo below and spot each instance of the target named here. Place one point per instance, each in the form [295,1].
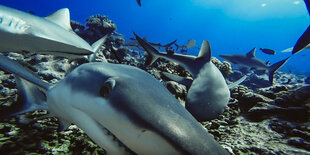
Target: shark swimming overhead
[250,61]
[208,94]
[20,31]
[121,108]
[304,40]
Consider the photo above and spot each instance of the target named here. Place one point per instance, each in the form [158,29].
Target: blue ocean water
[232,27]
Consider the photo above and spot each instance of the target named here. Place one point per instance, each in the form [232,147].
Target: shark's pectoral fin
[30,98]
[205,51]
[236,83]
[15,68]
[251,54]
[182,80]
[61,18]
[302,42]
[63,125]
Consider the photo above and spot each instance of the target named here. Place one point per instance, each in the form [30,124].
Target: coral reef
[224,67]
[97,27]
[259,119]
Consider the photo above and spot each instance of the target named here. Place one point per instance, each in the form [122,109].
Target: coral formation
[224,67]
[97,27]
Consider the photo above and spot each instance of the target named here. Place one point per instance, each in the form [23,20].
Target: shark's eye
[106,89]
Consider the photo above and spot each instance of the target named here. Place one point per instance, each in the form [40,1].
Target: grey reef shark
[250,61]
[122,108]
[208,93]
[191,43]
[304,39]
[21,31]
[134,44]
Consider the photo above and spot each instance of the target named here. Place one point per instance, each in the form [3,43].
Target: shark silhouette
[250,61]
[304,39]
[208,94]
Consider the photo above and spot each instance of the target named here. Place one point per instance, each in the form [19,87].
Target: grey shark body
[111,99]
[250,61]
[208,94]
[20,31]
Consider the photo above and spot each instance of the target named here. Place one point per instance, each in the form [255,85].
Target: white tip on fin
[205,51]
[61,18]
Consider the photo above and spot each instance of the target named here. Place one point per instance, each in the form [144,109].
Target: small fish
[268,51]
[139,2]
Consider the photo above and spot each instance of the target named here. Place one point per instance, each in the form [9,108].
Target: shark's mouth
[115,140]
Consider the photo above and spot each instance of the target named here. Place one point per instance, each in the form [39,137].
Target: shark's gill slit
[11,22]
[17,24]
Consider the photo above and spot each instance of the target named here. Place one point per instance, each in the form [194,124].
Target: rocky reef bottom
[259,119]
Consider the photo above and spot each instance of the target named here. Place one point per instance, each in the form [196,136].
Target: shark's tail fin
[273,68]
[96,48]
[152,52]
[31,89]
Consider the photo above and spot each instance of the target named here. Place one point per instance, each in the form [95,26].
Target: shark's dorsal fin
[205,51]
[251,54]
[61,18]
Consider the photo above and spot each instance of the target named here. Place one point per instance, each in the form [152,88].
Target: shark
[208,94]
[134,44]
[21,31]
[304,40]
[191,43]
[250,61]
[121,108]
